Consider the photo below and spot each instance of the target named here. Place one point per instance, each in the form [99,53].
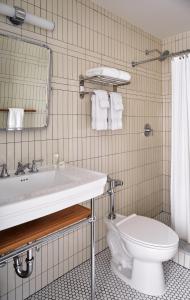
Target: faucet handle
[4,171]
[34,168]
[21,168]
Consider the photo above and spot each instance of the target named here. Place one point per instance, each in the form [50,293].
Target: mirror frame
[49,88]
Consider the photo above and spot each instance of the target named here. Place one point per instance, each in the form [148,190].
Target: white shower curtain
[180,160]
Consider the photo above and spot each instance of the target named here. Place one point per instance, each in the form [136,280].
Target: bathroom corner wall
[85,36]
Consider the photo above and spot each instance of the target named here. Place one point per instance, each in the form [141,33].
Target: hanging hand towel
[15,119]
[115,111]
[100,105]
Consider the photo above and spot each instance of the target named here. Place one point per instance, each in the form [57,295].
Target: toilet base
[145,277]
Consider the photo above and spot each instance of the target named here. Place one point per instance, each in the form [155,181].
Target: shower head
[164,55]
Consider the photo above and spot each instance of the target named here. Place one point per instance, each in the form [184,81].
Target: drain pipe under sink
[18,266]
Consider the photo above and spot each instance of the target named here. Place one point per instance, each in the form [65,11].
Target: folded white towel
[100,104]
[102,71]
[109,72]
[15,119]
[115,111]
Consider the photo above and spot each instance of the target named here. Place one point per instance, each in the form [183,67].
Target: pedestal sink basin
[31,196]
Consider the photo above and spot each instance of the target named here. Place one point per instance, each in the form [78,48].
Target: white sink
[31,196]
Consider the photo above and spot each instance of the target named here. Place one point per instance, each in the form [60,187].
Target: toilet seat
[147,232]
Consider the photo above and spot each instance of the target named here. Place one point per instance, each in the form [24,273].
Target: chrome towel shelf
[99,79]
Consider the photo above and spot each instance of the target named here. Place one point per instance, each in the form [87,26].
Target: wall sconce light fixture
[18,16]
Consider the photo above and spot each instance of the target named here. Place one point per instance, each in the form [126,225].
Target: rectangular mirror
[24,84]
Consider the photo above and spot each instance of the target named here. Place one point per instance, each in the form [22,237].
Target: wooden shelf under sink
[18,236]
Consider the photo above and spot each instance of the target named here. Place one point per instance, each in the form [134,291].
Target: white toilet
[138,246]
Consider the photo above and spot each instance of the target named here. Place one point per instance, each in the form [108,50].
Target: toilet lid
[147,231]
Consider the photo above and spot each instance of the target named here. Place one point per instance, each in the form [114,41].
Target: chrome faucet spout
[21,168]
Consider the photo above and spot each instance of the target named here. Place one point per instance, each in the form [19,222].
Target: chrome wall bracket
[92,219]
[19,16]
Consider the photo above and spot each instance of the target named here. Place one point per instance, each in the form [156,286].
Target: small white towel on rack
[115,111]
[15,119]
[100,105]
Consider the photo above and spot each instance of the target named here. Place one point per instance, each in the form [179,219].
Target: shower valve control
[148,130]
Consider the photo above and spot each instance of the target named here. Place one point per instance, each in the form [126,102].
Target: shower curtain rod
[136,63]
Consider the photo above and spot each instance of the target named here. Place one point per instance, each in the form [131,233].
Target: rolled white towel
[124,75]
[103,71]
[109,72]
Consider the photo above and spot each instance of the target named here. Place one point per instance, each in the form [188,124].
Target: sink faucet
[4,171]
[21,168]
[34,168]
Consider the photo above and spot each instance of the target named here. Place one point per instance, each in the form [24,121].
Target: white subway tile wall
[86,36]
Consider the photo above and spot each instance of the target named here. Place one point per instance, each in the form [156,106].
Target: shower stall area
[176,168]
[176,137]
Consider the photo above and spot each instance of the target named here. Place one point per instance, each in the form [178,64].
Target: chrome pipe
[147,52]
[113,183]
[183,52]
[93,219]
[112,214]
[136,63]
[18,266]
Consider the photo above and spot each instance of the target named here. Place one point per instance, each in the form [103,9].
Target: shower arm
[147,52]
[136,63]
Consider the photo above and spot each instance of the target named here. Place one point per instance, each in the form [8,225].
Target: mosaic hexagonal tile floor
[75,285]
